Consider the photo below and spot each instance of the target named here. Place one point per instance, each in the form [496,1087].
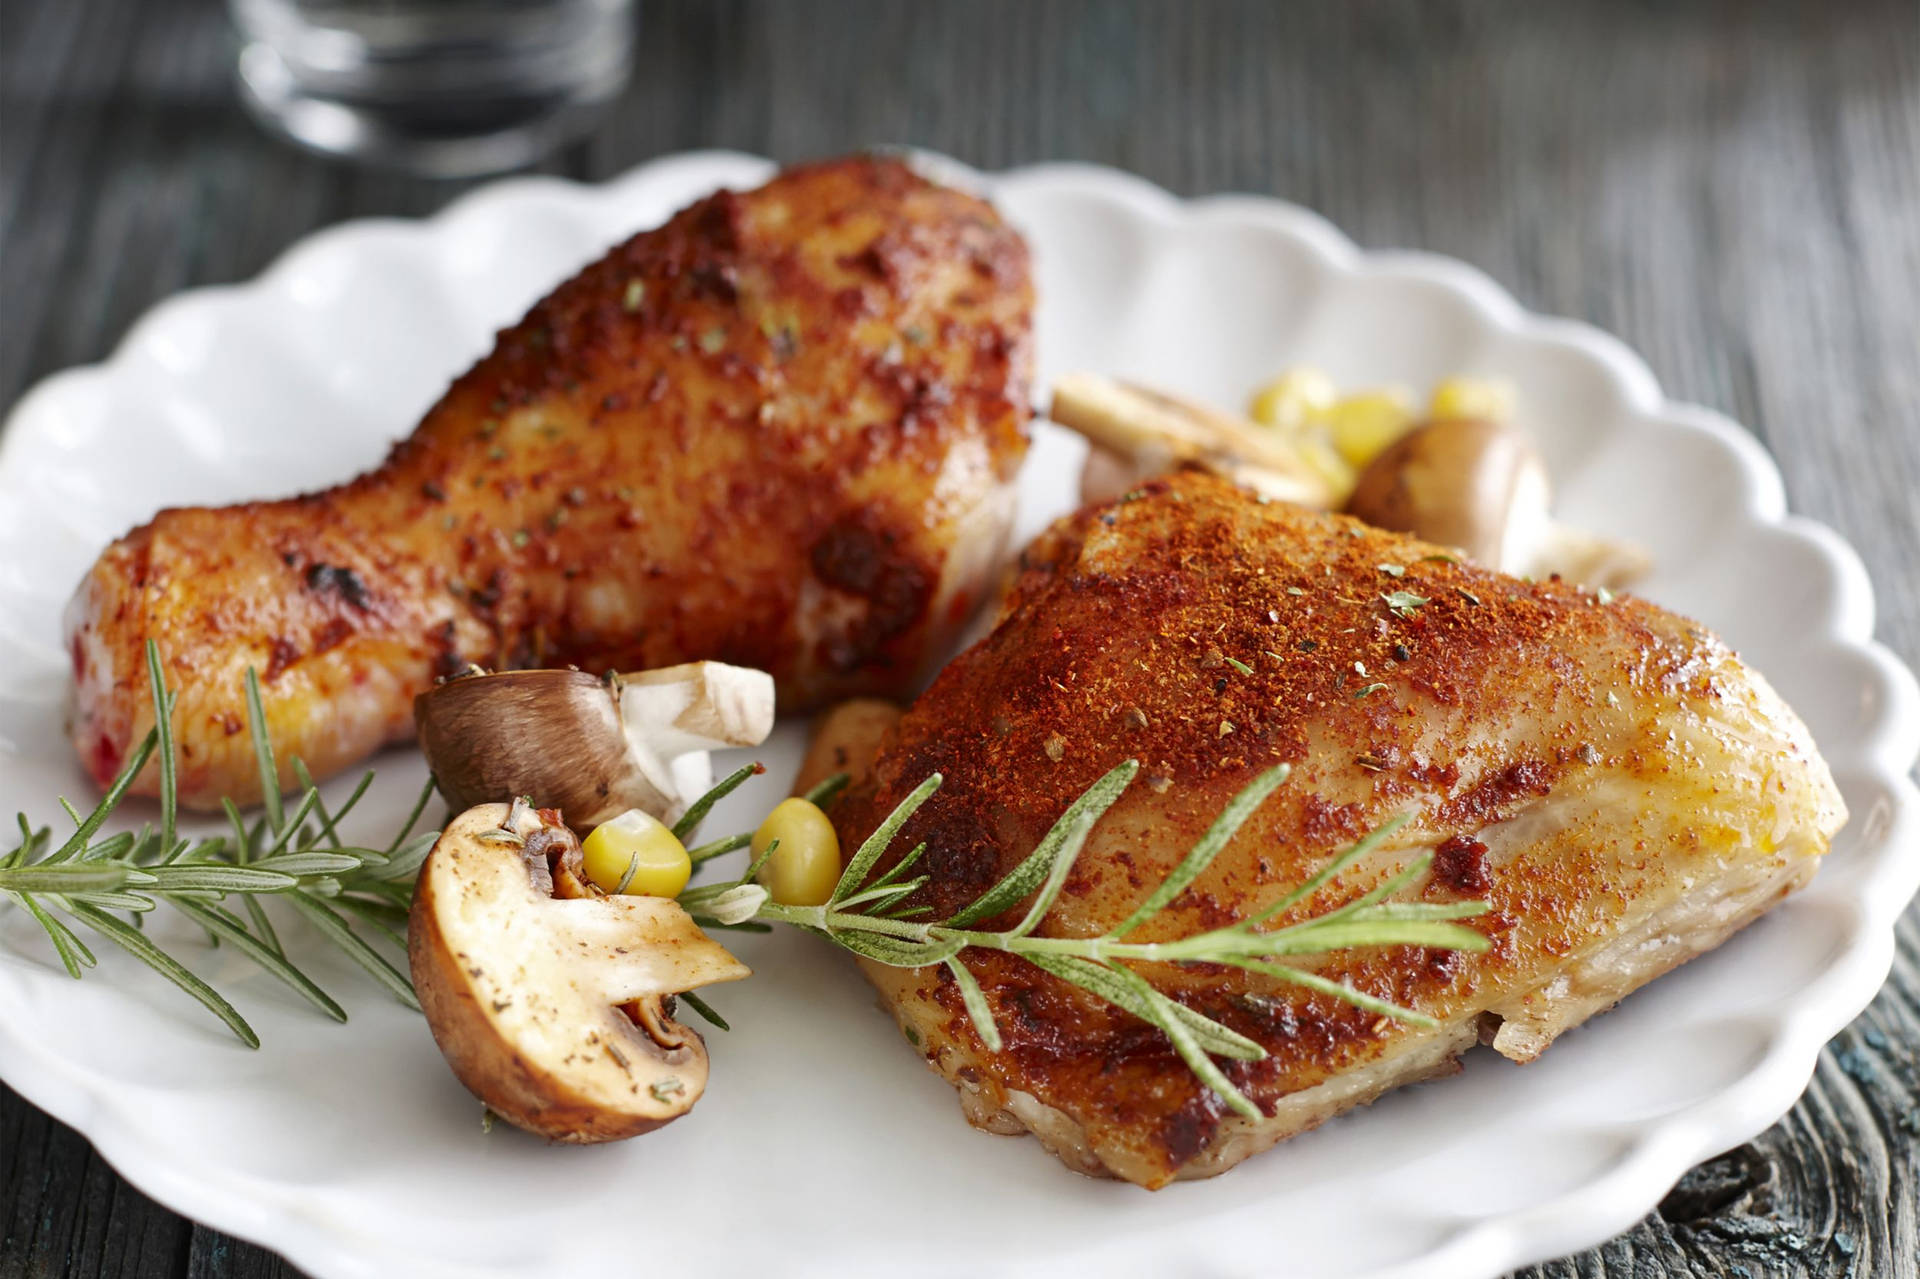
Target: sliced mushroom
[1137,433]
[1482,487]
[556,1011]
[588,745]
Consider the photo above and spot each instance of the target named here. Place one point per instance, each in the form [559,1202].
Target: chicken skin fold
[1609,777]
[777,431]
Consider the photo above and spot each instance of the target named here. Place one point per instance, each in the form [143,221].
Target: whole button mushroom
[591,746]
[1481,486]
[549,999]
[1465,482]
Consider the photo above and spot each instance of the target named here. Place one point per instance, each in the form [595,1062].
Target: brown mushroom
[1469,483]
[591,746]
[556,1010]
[1481,486]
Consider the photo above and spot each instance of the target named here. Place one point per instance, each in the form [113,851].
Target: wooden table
[1732,188]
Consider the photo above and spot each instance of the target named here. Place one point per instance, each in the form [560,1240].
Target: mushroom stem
[698,706]
[675,715]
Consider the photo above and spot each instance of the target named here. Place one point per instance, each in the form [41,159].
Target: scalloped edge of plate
[1660,1149]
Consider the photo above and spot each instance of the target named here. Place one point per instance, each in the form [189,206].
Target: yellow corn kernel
[1362,425]
[1294,398]
[1320,455]
[635,853]
[805,864]
[1471,397]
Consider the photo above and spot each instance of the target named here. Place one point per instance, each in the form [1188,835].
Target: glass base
[501,135]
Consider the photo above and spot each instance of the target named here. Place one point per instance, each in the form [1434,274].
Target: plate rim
[1659,1150]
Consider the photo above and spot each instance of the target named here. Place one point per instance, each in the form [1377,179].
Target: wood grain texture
[1733,188]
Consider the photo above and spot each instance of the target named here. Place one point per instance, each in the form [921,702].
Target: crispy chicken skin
[1607,775]
[777,431]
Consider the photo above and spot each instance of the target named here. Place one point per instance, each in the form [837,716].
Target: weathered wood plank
[1734,188]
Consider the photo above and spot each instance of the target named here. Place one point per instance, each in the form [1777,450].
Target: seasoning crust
[1596,768]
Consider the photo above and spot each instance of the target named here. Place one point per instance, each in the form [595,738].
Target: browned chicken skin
[1607,775]
[777,431]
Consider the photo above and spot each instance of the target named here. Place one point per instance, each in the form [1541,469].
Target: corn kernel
[805,864]
[1321,456]
[1471,397]
[1361,426]
[1294,398]
[636,854]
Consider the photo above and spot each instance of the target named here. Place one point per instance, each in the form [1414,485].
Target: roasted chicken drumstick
[1621,789]
[778,431]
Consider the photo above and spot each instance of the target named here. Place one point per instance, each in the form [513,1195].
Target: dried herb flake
[1404,603]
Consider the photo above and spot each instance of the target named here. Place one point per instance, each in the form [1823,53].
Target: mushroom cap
[1464,482]
[551,733]
[554,1011]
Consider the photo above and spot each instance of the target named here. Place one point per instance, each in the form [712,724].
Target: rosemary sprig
[294,855]
[865,918]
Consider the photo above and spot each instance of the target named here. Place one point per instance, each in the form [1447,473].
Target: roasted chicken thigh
[1608,776]
[778,431]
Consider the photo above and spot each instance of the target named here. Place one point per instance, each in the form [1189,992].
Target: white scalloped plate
[823,1147]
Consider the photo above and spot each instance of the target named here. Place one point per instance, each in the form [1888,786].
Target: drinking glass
[443,87]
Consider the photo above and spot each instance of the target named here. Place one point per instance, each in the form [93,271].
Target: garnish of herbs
[357,897]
